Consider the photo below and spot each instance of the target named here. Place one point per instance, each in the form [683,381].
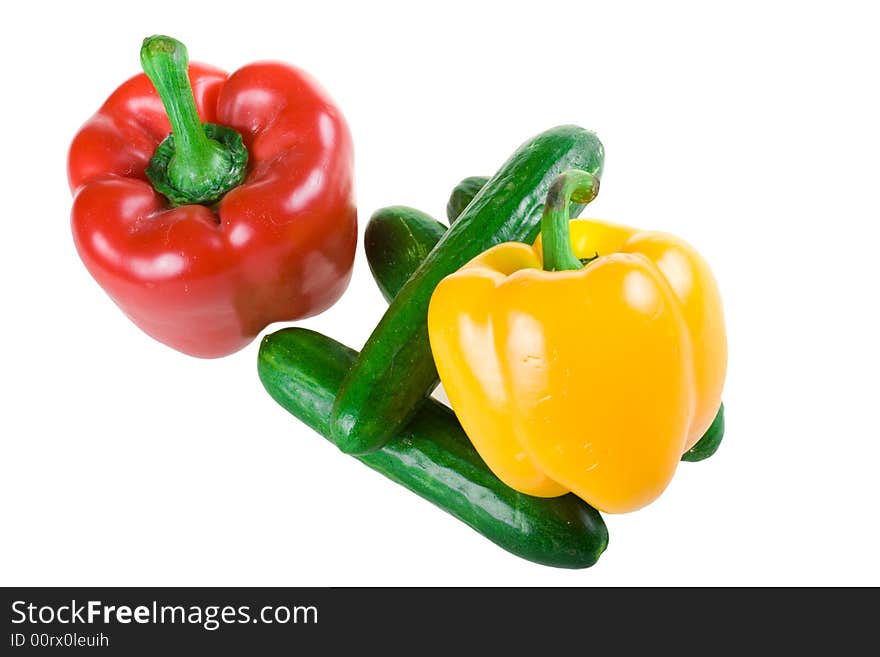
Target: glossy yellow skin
[592,381]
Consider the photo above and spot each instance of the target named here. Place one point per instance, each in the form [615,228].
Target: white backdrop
[750,130]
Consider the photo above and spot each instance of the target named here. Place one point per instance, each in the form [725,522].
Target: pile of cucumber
[383,415]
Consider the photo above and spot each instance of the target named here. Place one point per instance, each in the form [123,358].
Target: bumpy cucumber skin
[397,239]
[462,194]
[708,444]
[303,370]
[395,372]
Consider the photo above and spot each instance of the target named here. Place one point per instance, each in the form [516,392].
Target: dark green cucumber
[708,444]
[303,370]
[462,194]
[397,239]
[395,372]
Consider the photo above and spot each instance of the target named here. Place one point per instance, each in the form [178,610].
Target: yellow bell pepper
[588,378]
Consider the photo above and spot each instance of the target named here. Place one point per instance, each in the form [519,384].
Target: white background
[751,130]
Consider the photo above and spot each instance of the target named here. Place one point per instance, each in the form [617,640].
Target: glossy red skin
[277,248]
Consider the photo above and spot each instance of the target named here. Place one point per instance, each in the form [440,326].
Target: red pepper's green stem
[572,185]
[200,162]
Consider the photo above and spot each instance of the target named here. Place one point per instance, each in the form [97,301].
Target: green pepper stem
[198,169]
[572,185]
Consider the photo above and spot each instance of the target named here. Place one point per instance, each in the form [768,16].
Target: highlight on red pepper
[588,362]
[210,205]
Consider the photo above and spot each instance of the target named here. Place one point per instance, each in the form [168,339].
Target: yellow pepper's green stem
[572,185]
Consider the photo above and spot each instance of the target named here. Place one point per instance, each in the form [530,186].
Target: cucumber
[395,373]
[397,239]
[303,370]
[462,194]
[708,444]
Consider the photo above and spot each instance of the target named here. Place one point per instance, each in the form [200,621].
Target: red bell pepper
[206,237]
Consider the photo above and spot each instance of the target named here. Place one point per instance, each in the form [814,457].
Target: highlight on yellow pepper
[588,362]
